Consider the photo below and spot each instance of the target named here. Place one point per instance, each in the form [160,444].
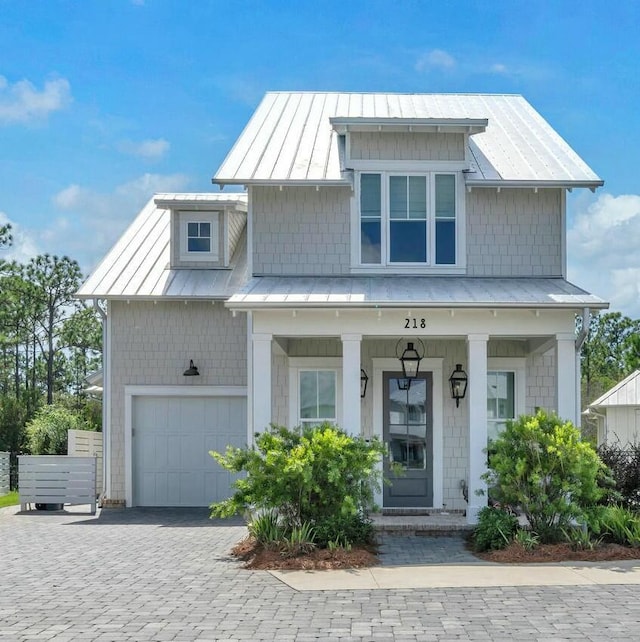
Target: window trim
[296,364]
[517,365]
[386,266]
[191,216]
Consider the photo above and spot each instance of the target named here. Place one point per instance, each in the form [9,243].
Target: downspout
[580,339]
[106,401]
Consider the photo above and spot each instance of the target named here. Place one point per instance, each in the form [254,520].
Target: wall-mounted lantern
[364,379]
[191,371]
[458,382]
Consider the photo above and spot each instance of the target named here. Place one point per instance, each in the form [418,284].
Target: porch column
[477,393]
[566,377]
[351,384]
[261,382]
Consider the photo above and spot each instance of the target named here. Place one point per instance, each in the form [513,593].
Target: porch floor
[428,523]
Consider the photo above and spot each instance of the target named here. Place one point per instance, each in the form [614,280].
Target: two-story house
[396,264]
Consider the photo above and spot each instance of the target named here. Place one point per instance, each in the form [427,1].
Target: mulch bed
[516,554]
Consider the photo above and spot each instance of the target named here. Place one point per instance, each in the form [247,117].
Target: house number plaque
[414,324]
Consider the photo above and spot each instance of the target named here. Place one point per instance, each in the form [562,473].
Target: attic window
[199,236]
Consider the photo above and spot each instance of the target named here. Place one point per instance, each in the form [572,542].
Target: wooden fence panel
[57,479]
[5,465]
[87,443]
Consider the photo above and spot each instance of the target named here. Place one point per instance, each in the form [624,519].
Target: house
[372,227]
[617,412]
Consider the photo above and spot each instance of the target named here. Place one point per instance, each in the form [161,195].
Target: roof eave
[479,182]
[336,182]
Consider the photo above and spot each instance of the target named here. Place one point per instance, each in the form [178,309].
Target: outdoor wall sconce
[363,383]
[410,360]
[458,382]
[191,371]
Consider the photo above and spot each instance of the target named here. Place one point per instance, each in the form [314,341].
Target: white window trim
[189,216]
[410,268]
[296,364]
[517,365]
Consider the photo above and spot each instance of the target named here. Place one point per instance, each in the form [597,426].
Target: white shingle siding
[152,344]
[301,231]
[406,146]
[514,232]
[236,223]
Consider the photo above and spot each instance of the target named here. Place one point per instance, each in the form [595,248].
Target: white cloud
[24,245]
[603,246]
[151,149]
[435,59]
[22,102]
[499,68]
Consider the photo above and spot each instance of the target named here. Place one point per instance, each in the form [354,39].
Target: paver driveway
[165,575]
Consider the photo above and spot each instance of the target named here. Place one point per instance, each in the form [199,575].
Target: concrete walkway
[161,575]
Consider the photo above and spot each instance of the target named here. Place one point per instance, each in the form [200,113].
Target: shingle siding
[407,146]
[152,344]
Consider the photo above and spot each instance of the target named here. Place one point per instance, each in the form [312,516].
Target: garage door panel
[172,437]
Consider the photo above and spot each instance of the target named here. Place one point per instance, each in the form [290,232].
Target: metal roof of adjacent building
[415,291]
[138,265]
[290,139]
[625,393]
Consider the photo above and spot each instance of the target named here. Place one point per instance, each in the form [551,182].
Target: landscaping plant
[315,478]
[495,529]
[624,464]
[47,431]
[541,464]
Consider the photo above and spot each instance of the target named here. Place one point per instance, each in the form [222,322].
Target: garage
[171,438]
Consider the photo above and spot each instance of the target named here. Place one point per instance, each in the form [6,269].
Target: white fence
[87,443]
[56,479]
[4,473]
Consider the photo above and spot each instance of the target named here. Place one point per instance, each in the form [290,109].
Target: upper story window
[409,219]
[199,236]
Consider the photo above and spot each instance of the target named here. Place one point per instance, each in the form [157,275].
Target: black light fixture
[404,384]
[191,371]
[458,382]
[363,383]
[410,360]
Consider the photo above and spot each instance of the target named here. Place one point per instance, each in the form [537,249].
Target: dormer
[205,228]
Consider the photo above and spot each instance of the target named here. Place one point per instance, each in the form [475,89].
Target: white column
[351,415]
[261,382]
[477,394]
[566,376]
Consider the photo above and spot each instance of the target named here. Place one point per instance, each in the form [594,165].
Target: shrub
[266,529]
[495,529]
[344,530]
[541,464]
[315,475]
[47,431]
[615,523]
[527,539]
[624,464]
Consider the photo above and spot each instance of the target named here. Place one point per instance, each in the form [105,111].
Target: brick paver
[166,575]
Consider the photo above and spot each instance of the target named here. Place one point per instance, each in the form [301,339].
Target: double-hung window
[505,393]
[408,219]
[317,401]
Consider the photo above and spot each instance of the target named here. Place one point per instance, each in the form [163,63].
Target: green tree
[6,238]
[541,464]
[47,431]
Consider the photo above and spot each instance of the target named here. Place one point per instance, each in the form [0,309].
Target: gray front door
[408,433]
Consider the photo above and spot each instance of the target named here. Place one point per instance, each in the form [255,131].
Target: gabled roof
[291,139]
[625,393]
[138,265]
[421,291]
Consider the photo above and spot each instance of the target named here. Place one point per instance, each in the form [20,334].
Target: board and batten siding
[151,344]
[301,230]
[406,146]
[514,232]
[622,425]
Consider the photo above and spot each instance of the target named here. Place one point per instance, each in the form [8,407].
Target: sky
[106,102]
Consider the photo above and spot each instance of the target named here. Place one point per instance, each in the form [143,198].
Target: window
[408,219]
[505,393]
[199,236]
[317,399]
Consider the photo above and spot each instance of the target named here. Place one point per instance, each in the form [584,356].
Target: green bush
[47,431]
[540,464]
[527,539]
[315,475]
[616,524]
[495,529]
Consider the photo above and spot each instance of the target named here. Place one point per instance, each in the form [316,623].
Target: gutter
[106,402]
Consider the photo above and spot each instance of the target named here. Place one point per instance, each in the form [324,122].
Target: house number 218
[414,323]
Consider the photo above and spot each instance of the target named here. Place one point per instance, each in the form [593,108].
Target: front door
[408,433]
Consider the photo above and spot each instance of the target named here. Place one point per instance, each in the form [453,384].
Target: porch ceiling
[415,291]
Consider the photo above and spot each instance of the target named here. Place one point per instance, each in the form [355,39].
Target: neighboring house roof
[291,139]
[139,263]
[625,393]
[422,291]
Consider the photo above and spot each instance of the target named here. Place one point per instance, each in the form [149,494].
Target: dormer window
[199,233]
[408,219]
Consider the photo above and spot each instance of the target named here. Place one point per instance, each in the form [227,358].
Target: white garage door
[172,437]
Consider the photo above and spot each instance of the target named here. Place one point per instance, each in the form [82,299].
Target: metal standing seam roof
[138,265]
[418,291]
[625,393]
[290,139]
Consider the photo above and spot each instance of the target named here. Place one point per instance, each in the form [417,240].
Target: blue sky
[103,103]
